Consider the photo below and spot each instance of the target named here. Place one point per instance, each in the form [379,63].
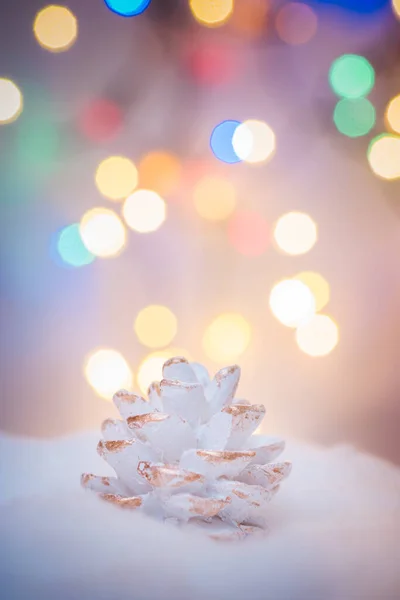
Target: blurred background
[208,178]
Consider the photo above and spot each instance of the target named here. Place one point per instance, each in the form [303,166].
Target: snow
[334,533]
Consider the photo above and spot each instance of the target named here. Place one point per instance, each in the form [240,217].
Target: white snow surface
[334,533]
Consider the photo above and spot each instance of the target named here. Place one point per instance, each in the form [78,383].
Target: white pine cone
[188,453]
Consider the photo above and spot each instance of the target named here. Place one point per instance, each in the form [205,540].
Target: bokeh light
[292,302]
[71,248]
[214,198]
[116,177]
[156,326]
[318,286]
[392,114]
[296,23]
[101,120]
[318,337]
[351,76]
[213,62]
[295,233]
[249,17]
[150,368]
[55,28]
[102,232]
[221,141]
[396,8]
[254,141]
[38,144]
[248,232]
[354,117]
[227,337]
[144,211]
[211,13]
[161,172]
[384,156]
[127,8]
[107,372]
[11,101]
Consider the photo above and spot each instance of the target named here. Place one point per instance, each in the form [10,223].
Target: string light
[156,326]
[384,156]
[101,120]
[211,13]
[248,232]
[11,101]
[55,28]
[392,114]
[116,177]
[354,117]
[127,8]
[144,211]
[292,302]
[102,232]
[296,23]
[254,141]
[221,141]
[161,172]
[318,286]
[214,198]
[318,337]
[352,76]
[227,337]
[71,248]
[295,233]
[107,372]
[151,367]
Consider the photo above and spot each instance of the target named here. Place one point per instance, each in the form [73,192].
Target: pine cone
[188,454]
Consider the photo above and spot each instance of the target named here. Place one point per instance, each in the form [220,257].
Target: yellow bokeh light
[161,172]
[392,114]
[318,285]
[384,156]
[295,233]
[11,102]
[150,368]
[227,337]
[292,302]
[144,211]
[55,28]
[396,8]
[318,337]
[102,232]
[107,372]
[116,177]
[211,12]
[254,141]
[156,326]
[214,198]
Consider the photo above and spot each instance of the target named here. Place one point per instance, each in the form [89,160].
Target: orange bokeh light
[160,171]
[249,17]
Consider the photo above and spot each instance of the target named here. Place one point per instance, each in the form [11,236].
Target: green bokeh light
[354,117]
[71,248]
[352,76]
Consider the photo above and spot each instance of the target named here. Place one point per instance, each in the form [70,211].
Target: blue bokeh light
[221,142]
[359,6]
[127,8]
[71,248]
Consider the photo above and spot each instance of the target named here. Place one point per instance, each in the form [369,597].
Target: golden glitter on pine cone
[188,453]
